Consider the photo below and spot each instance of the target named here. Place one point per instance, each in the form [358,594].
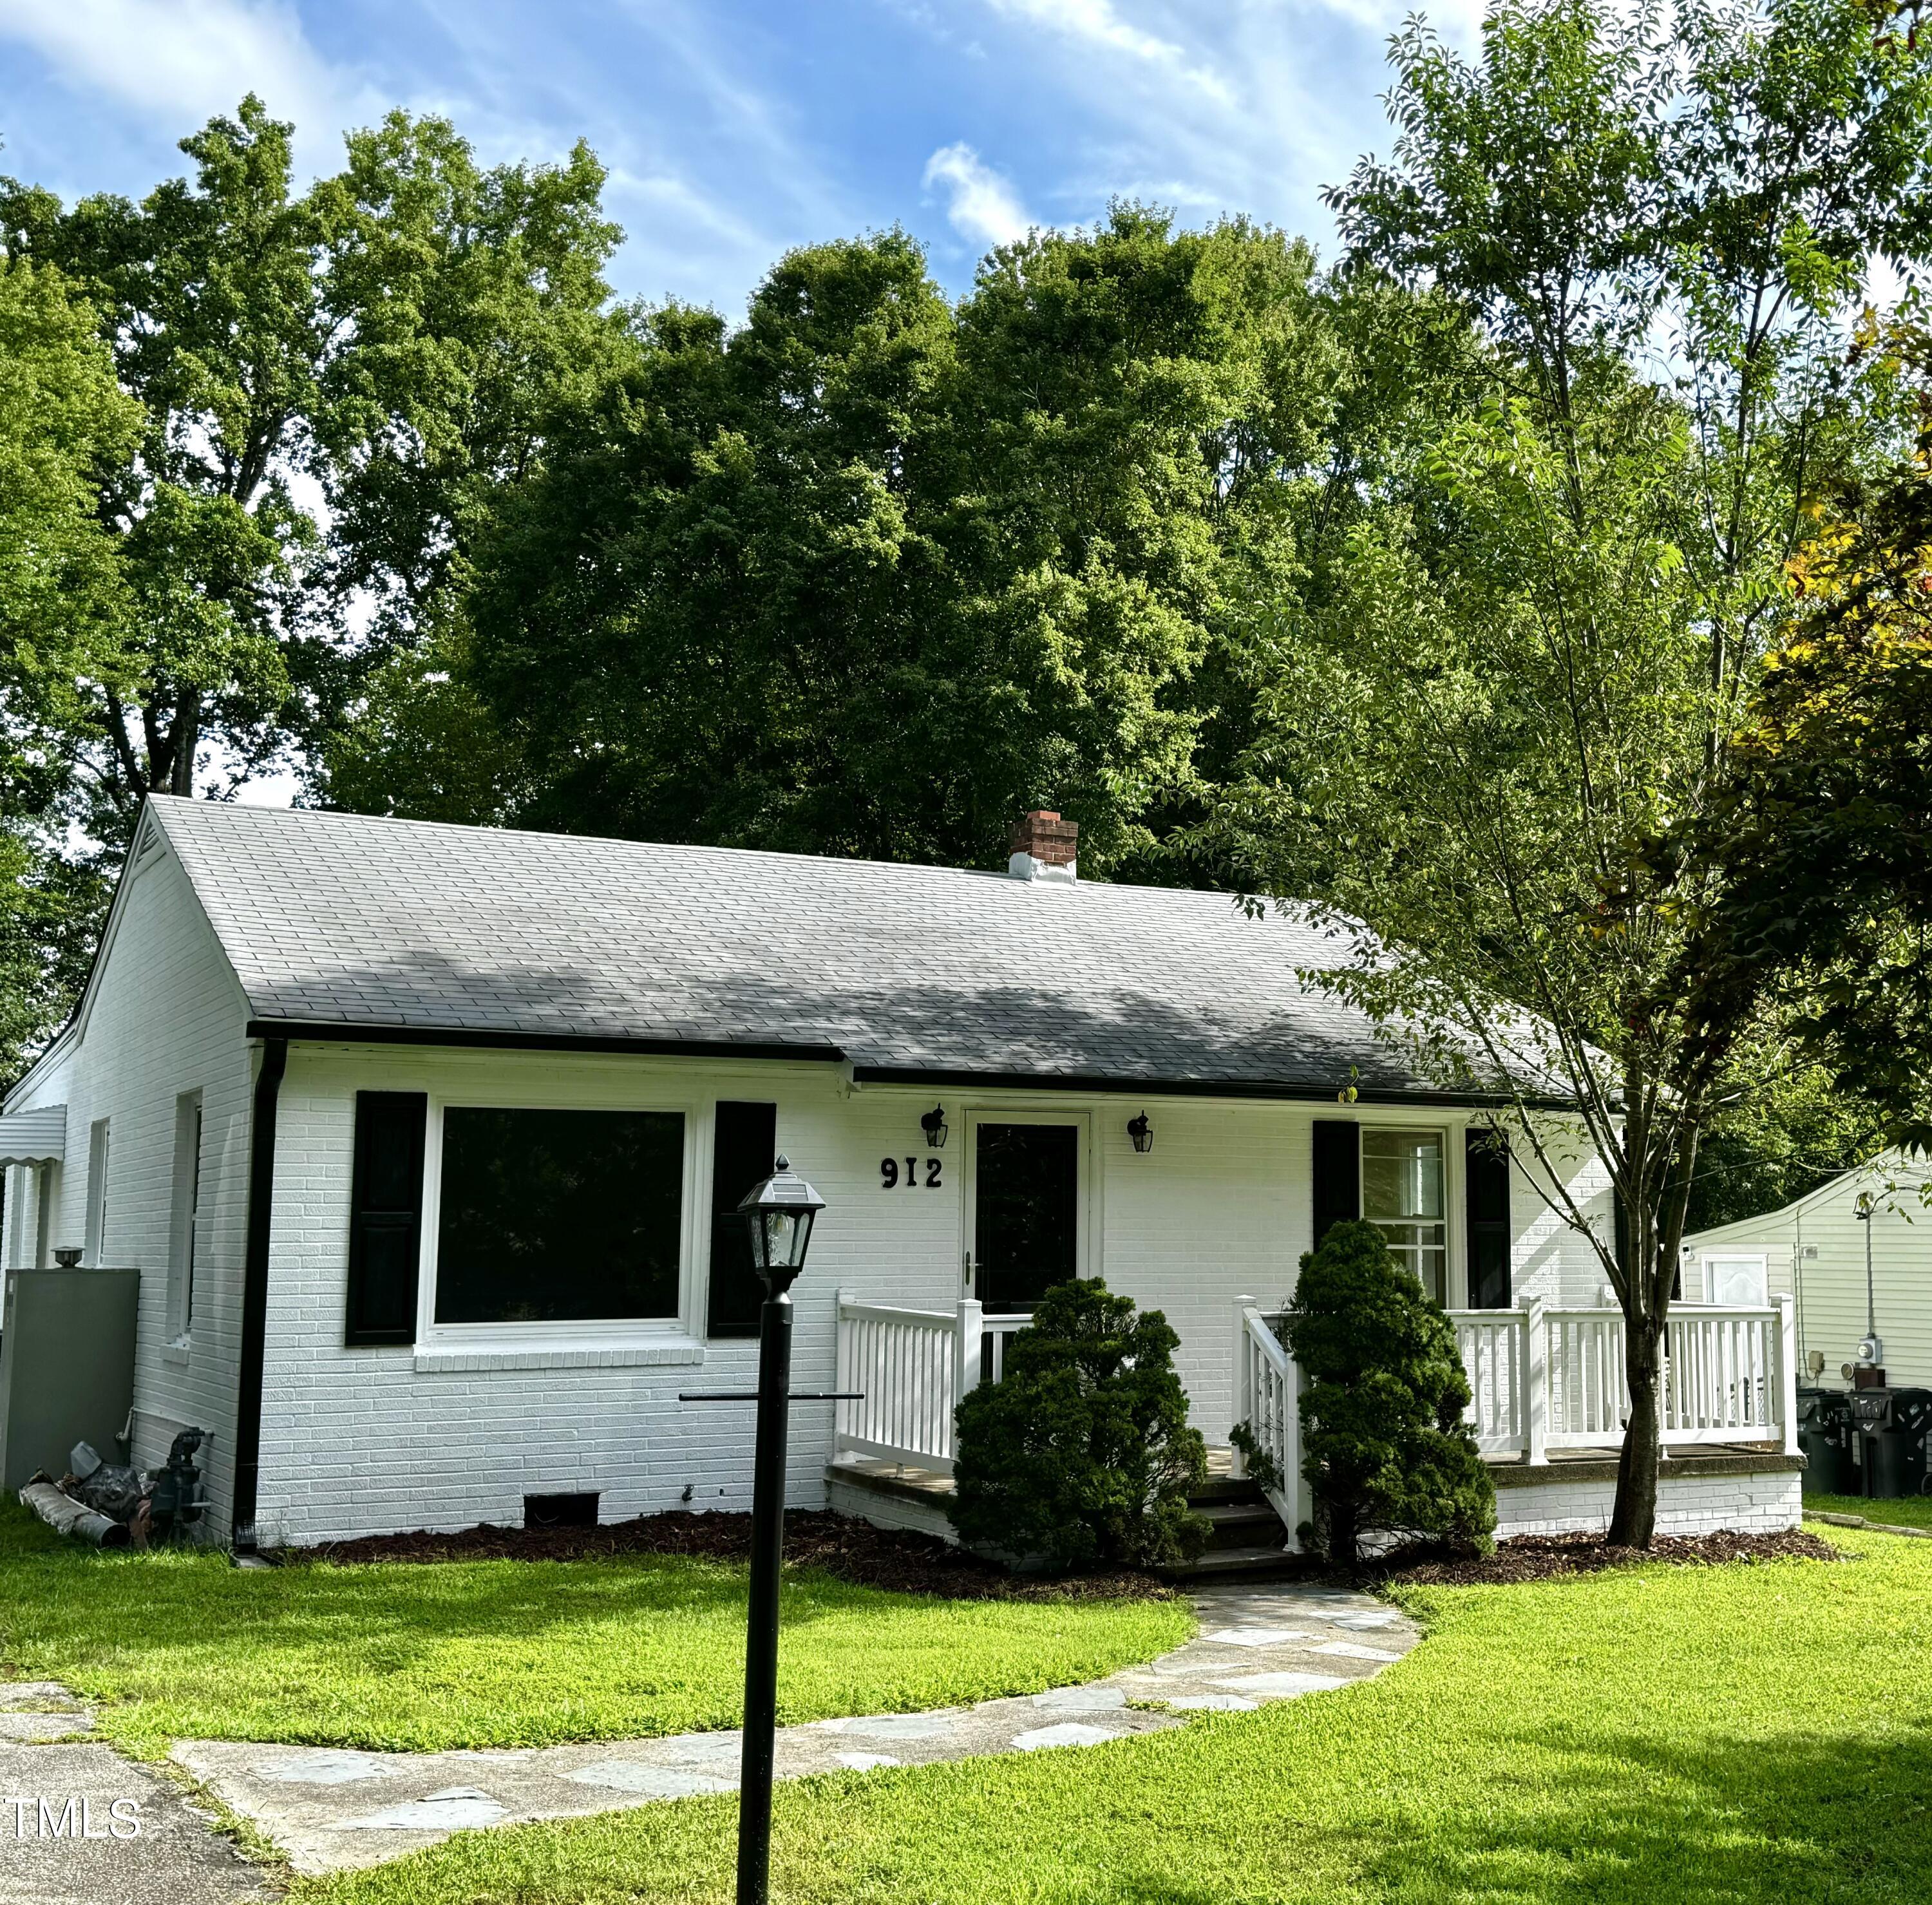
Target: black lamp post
[780,1213]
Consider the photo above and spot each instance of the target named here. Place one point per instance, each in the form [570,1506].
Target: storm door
[1026,1211]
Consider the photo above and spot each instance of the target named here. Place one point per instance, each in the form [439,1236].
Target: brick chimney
[1043,846]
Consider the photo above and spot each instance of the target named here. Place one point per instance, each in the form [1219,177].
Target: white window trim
[183,1222]
[586,1333]
[1455,1270]
[93,1217]
[1711,1258]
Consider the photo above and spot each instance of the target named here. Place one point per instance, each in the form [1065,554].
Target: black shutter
[1485,1193]
[744,1143]
[1338,1174]
[385,1216]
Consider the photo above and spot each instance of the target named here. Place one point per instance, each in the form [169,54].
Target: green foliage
[1082,1453]
[1820,840]
[1541,605]
[314,389]
[63,424]
[1261,1467]
[873,573]
[1780,1143]
[1384,1447]
[451,1654]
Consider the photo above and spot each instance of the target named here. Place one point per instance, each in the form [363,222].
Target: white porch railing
[996,1333]
[910,1367]
[1495,1344]
[1541,1378]
[1544,1378]
[1268,1398]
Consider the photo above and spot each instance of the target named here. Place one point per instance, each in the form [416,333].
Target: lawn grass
[1751,1732]
[1913,1511]
[507,1653]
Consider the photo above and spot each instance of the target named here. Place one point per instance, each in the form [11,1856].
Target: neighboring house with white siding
[1815,1249]
[425,1141]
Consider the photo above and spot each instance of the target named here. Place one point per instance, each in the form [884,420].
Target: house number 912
[888,1173]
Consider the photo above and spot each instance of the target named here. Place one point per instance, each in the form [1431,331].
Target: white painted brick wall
[166,1017]
[1762,1503]
[357,1441]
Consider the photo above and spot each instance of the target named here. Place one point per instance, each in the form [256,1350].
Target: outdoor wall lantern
[1141,1133]
[778,1213]
[933,1125]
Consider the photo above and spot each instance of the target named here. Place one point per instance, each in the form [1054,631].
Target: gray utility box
[67,1366]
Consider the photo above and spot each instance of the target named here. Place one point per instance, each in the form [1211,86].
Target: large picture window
[548,1217]
[1403,1196]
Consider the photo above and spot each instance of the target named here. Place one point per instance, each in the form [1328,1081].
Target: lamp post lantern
[779,1213]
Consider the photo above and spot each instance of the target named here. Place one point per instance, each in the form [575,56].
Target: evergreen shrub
[1082,1455]
[1384,1446]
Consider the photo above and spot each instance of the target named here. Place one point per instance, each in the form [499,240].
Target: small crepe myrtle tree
[1082,1454]
[1384,1448]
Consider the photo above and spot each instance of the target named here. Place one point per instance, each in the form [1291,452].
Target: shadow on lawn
[1778,1820]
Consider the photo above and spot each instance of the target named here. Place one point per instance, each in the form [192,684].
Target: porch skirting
[890,1496]
[1746,1491]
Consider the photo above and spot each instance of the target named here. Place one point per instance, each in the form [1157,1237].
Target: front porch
[1548,1410]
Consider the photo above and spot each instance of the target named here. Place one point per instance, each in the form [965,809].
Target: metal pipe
[761,1640]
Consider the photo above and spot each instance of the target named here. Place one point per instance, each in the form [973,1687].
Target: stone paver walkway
[329,1809]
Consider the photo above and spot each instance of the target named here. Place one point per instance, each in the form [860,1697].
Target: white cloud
[980,203]
[1097,23]
[177,62]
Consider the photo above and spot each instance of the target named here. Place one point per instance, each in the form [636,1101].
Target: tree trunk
[1633,1520]
[187,738]
[1344,1548]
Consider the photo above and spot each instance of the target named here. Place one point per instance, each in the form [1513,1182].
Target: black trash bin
[1826,1433]
[1893,1426]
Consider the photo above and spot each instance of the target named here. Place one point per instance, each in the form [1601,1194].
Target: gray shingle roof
[353,922]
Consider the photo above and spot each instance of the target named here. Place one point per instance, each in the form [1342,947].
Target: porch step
[1223,1488]
[1237,1564]
[1245,1539]
[1239,1524]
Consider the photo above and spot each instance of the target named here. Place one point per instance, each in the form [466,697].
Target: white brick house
[420,1137]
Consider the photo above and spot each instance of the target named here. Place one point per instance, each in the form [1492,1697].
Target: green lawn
[1913,1511]
[507,1653]
[1746,1733]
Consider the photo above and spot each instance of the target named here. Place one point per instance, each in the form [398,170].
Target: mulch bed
[907,1563]
[853,1550]
[1550,1557]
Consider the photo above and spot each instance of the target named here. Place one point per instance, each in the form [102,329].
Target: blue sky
[735,129]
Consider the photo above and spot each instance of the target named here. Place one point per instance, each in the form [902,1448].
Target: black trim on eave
[255,1293]
[1309,1091]
[330,1031]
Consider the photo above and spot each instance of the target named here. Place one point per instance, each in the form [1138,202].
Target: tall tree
[327,376]
[872,572]
[1820,840]
[1538,628]
[64,425]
